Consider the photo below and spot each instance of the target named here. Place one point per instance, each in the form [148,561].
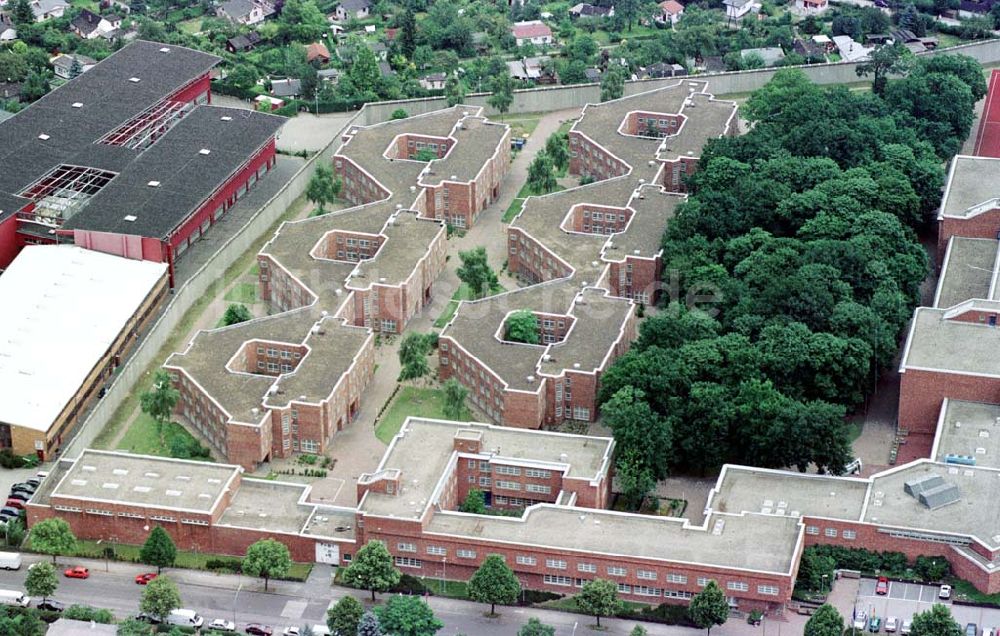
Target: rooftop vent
[164,49]
[204,151]
[44,137]
[226,118]
[204,495]
[88,468]
[141,488]
[120,471]
[153,184]
[576,365]
[109,485]
[130,217]
[182,478]
[530,378]
[78,482]
[134,80]
[213,480]
[77,104]
[173,493]
[153,475]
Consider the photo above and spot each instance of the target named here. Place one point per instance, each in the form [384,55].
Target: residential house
[317,52]
[593,75]
[670,12]
[7,31]
[348,9]
[63,64]
[738,9]
[248,12]
[48,9]
[771,55]
[811,7]
[850,50]
[481,42]
[533,69]
[587,10]
[662,69]
[810,50]
[243,43]
[286,87]
[534,31]
[434,81]
[331,75]
[88,25]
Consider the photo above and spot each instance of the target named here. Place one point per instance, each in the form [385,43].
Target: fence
[525,101]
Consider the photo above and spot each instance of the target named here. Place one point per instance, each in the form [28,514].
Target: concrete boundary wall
[525,101]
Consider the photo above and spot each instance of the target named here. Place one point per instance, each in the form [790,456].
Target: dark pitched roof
[86,21]
[244,42]
[186,175]
[237,8]
[354,6]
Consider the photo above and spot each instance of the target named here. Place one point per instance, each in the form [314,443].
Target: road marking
[294,609]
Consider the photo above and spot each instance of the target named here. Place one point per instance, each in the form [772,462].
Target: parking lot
[906,599]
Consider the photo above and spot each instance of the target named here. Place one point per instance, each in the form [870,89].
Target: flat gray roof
[972,181]
[267,505]
[939,343]
[423,449]
[974,514]
[971,429]
[143,480]
[782,493]
[475,140]
[747,542]
[968,271]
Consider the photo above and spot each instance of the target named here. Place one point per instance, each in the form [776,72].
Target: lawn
[190,27]
[521,127]
[414,401]
[141,437]
[245,293]
[515,207]
[449,311]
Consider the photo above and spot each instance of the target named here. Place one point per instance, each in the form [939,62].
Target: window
[408,562]
[767,590]
[436,550]
[850,535]
[553,579]
[508,485]
[586,567]
[466,554]
[677,578]
[737,586]
[830,532]
[406,547]
[484,482]
[624,588]
[580,413]
[617,570]
[507,470]
[812,530]
[702,581]
[523,559]
[555,564]
[642,590]
[646,575]
[536,488]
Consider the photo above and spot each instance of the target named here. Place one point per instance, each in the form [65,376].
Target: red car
[143,579]
[882,586]
[78,572]
[15,503]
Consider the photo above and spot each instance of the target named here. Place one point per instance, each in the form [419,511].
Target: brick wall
[922,392]
[589,159]
[985,225]
[637,278]
[664,124]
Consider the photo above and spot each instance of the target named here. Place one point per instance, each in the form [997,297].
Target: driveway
[906,599]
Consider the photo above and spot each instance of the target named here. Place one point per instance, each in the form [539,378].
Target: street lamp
[444,572]
[825,577]
[237,596]
[99,542]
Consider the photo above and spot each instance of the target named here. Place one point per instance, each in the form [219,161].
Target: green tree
[301,21]
[323,188]
[522,326]
[158,550]
[815,570]
[364,73]
[613,82]
[21,13]
[399,113]
[475,272]
[535,627]
[638,630]
[372,569]
[827,621]
[413,352]
[555,148]
[52,536]
[635,480]
[343,618]
[642,435]
[160,597]
[937,621]
[709,607]
[502,87]
[134,627]
[41,580]
[369,626]
[454,90]
[885,60]
[235,314]
[407,38]
[243,76]
[24,624]
[475,502]
[454,400]
[599,598]
[35,86]
[75,68]
[267,559]
[407,616]
[541,178]
[159,401]
[494,582]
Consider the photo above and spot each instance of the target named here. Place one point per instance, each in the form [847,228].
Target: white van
[10,560]
[13,597]
[185,618]
[321,630]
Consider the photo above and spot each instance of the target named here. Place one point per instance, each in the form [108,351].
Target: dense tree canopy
[799,265]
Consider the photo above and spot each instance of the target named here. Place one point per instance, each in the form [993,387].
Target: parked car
[222,625]
[23,496]
[143,579]
[256,629]
[860,621]
[944,592]
[10,560]
[15,503]
[906,628]
[891,624]
[51,606]
[148,618]
[882,586]
[77,572]
[34,481]
[874,624]
[290,631]
[8,512]
[24,487]
[971,629]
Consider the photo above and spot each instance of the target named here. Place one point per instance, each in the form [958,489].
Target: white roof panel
[63,307]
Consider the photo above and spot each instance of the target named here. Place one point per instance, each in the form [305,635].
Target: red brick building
[129,159]
[970,206]
[589,255]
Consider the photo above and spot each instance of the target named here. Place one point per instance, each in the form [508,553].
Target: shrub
[932,568]
[530,597]
[409,584]
[8,459]
[231,565]
[87,613]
